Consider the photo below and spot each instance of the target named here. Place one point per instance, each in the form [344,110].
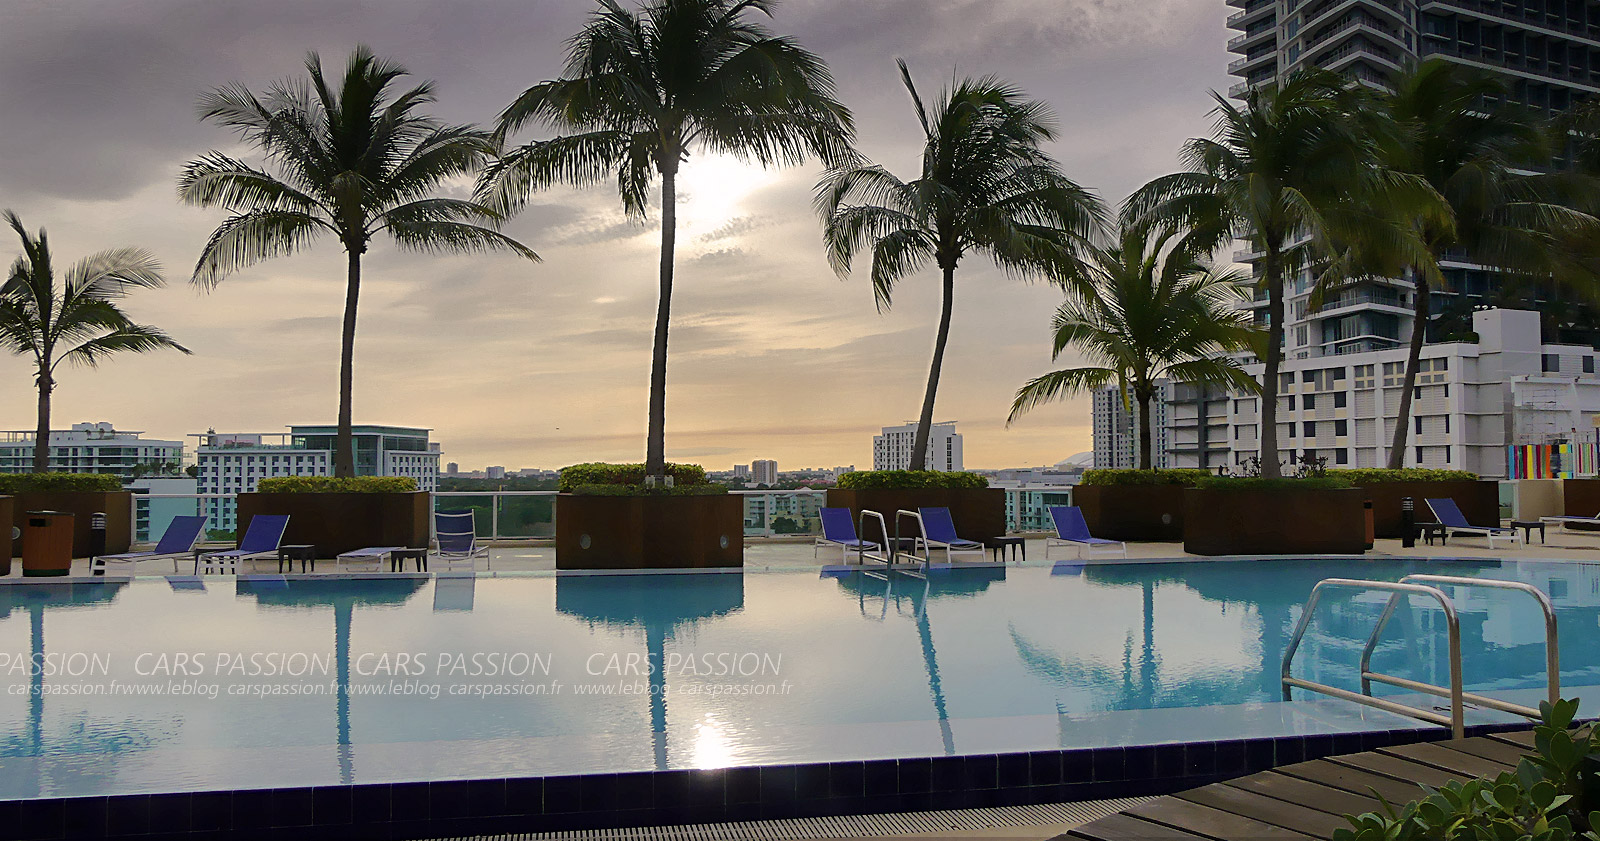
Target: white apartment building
[1472,401]
[892,449]
[1116,428]
[764,471]
[230,464]
[89,448]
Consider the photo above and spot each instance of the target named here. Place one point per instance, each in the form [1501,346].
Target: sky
[543,365]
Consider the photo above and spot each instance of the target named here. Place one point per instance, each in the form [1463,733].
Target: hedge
[1377,475]
[335,485]
[20,483]
[862,480]
[601,473]
[1257,483]
[641,490]
[1188,478]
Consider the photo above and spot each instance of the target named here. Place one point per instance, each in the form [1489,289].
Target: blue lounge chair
[261,540]
[939,532]
[839,530]
[455,537]
[176,542]
[1450,516]
[1073,530]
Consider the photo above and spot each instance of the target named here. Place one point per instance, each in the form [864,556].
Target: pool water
[184,684]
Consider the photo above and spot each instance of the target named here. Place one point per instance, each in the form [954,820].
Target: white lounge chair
[261,540]
[939,532]
[176,543]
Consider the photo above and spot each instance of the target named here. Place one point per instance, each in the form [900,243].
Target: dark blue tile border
[602,801]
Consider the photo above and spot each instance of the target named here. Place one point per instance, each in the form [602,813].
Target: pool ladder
[1425,585]
[891,544]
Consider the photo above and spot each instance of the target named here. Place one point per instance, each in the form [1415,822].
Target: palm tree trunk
[1143,396]
[1419,330]
[1269,386]
[344,456]
[919,444]
[41,436]
[655,458]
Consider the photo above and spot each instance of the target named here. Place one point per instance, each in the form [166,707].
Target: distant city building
[92,448]
[764,471]
[892,449]
[741,471]
[230,464]
[151,516]
[452,469]
[496,472]
[1116,428]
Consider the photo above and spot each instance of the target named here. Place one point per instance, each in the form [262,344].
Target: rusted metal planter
[649,532]
[979,513]
[341,522]
[1276,521]
[1132,512]
[1479,500]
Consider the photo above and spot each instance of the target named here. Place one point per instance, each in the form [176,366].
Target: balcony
[1244,66]
[1239,20]
[1251,40]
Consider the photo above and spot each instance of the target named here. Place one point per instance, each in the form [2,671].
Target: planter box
[1479,500]
[341,522]
[5,535]
[1321,521]
[116,505]
[649,532]
[1132,512]
[1581,498]
[979,513]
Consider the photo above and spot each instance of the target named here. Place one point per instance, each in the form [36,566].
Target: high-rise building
[495,471]
[892,449]
[1116,428]
[741,471]
[92,448]
[230,464]
[764,471]
[452,469]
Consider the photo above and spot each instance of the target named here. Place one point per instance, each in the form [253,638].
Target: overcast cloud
[544,365]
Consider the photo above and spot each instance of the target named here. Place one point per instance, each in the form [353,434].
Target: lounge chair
[1564,521]
[1450,516]
[455,537]
[839,530]
[371,557]
[176,542]
[261,540]
[1073,530]
[939,532]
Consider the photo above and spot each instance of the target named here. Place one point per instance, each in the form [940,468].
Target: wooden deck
[1308,800]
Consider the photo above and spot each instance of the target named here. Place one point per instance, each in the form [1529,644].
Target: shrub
[601,473]
[1187,478]
[1256,483]
[862,480]
[1375,475]
[21,483]
[640,490]
[335,485]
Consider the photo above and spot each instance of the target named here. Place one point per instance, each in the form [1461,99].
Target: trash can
[47,543]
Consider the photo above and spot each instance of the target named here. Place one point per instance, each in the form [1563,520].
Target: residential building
[92,448]
[153,511]
[892,449]
[452,469]
[1116,428]
[1472,401]
[496,471]
[764,471]
[230,464]
[741,471]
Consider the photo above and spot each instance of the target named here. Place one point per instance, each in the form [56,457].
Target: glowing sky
[523,365]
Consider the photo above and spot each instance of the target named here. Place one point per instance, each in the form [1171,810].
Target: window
[1291,402]
[1419,455]
[1311,402]
[1291,430]
[1341,428]
[1285,381]
[1339,398]
[1418,421]
[1341,456]
[1447,424]
[1446,390]
[1311,429]
[1393,374]
[1588,365]
[1552,363]
[1308,376]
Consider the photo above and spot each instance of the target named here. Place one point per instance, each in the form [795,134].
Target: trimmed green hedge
[1377,475]
[333,485]
[21,483]
[1185,477]
[862,480]
[641,490]
[601,473]
[1256,483]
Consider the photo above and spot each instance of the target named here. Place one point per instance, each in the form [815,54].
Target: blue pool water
[159,685]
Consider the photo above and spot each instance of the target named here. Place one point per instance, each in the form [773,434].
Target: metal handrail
[1552,651]
[887,559]
[1456,721]
[926,558]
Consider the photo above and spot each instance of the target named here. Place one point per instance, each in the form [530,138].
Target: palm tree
[1295,171]
[986,186]
[1454,132]
[77,321]
[1140,312]
[353,161]
[642,90]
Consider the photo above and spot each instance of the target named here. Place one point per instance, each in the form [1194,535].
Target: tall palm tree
[640,92]
[353,159]
[76,321]
[986,186]
[1141,311]
[1454,131]
[1296,172]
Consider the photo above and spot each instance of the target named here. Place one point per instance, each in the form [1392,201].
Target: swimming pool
[183,684]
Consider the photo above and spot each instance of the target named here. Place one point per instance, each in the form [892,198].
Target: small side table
[305,553]
[999,545]
[1527,527]
[398,558]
